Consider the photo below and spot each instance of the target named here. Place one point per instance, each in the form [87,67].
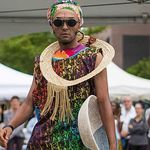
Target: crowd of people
[132,125]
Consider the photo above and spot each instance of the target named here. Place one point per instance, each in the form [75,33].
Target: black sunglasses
[60,23]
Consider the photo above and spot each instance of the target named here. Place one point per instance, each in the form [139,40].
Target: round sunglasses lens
[71,22]
[58,23]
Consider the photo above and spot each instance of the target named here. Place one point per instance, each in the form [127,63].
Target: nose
[65,26]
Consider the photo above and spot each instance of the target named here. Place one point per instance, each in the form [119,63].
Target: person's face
[65,33]
[139,110]
[127,103]
[14,104]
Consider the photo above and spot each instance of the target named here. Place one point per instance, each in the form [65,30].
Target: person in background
[116,112]
[17,138]
[127,113]
[28,130]
[138,129]
[30,126]
[1,114]
[147,117]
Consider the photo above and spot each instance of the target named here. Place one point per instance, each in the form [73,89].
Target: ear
[79,27]
[49,21]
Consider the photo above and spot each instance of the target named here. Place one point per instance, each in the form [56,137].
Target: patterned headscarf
[68,5]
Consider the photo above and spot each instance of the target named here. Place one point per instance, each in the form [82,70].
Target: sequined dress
[57,135]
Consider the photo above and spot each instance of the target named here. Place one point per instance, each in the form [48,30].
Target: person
[30,126]
[127,113]
[17,138]
[117,112]
[28,130]
[58,106]
[138,130]
[1,114]
[147,117]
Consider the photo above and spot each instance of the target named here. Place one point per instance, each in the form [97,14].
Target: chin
[65,41]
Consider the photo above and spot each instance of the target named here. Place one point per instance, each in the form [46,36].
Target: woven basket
[90,126]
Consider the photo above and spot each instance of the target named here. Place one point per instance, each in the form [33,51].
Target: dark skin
[67,39]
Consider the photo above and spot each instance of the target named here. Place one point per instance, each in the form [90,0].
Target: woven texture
[90,126]
[51,76]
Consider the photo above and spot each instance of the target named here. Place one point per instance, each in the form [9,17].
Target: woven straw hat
[51,76]
[90,126]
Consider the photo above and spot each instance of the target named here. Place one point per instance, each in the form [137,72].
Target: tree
[141,69]
[19,52]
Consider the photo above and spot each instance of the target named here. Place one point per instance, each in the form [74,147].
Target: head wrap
[68,5]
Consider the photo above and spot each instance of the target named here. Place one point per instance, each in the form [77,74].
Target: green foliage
[19,52]
[92,30]
[141,69]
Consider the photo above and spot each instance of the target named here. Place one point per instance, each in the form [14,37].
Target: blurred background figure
[1,120]
[17,138]
[1,114]
[28,130]
[147,117]
[117,112]
[138,130]
[127,113]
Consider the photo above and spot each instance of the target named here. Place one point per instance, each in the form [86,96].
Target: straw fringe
[57,96]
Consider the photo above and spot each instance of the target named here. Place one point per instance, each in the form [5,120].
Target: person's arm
[104,104]
[22,115]
[137,129]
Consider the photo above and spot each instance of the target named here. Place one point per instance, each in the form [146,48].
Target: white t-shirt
[126,116]
[147,114]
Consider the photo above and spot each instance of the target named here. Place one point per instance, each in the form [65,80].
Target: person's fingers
[8,133]
[4,144]
[3,140]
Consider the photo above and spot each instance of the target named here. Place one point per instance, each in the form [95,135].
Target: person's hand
[4,136]
[123,133]
[130,126]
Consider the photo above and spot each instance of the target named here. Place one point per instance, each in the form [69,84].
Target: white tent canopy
[123,83]
[13,82]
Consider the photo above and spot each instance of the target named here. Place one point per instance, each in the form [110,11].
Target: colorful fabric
[67,53]
[57,135]
[68,5]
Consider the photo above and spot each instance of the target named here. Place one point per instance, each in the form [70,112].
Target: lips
[65,34]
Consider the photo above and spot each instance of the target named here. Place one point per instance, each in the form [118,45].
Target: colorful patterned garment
[57,135]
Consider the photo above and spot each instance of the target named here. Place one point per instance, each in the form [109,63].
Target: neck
[68,45]
[139,117]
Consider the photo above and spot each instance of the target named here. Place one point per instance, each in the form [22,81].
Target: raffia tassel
[58,96]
